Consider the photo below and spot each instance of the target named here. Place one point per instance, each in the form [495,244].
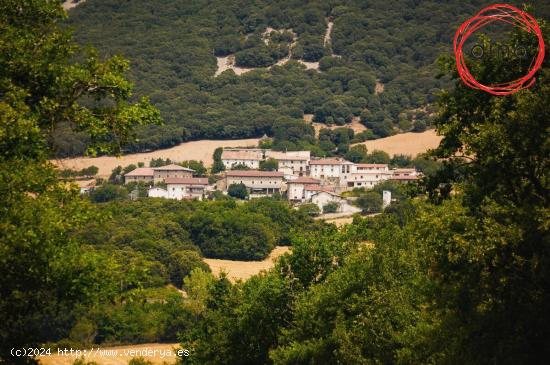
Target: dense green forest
[455,272]
[172,46]
[150,246]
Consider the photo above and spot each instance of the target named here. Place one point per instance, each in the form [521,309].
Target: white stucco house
[324,197]
[292,162]
[258,182]
[366,175]
[162,173]
[405,175]
[327,168]
[296,188]
[157,174]
[157,192]
[248,157]
[186,188]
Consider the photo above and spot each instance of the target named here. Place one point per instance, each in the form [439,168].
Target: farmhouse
[291,163]
[171,171]
[186,188]
[248,157]
[366,175]
[258,182]
[180,188]
[321,197]
[404,175]
[326,168]
[296,190]
[157,174]
[140,174]
[371,167]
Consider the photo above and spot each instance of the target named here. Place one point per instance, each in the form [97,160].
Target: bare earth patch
[327,38]
[195,150]
[310,65]
[158,351]
[405,143]
[242,270]
[228,63]
[379,87]
[69,4]
[355,125]
[339,222]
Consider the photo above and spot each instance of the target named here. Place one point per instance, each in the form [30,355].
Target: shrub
[270,164]
[370,202]
[331,207]
[139,361]
[309,209]
[238,191]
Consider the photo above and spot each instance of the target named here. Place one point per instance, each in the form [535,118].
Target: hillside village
[293,174]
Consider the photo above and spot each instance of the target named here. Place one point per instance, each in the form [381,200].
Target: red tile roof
[410,177]
[404,170]
[318,188]
[141,171]
[187,181]
[371,165]
[304,180]
[253,173]
[172,167]
[242,155]
[289,155]
[327,161]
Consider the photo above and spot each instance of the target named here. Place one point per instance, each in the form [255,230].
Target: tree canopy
[173,47]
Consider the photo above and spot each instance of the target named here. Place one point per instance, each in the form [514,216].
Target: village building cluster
[300,177]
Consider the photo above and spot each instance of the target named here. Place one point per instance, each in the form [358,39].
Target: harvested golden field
[405,143]
[195,150]
[339,222]
[157,353]
[242,270]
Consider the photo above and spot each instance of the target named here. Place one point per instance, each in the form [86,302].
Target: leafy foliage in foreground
[45,273]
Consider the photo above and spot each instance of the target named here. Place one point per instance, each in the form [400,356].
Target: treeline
[89,171]
[172,47]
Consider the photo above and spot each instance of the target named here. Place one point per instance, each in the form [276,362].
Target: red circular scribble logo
[498,13]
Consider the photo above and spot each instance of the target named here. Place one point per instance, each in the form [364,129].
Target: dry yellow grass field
[405,143]
[159,351]
[339,222]
[242,270]
[195,150]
